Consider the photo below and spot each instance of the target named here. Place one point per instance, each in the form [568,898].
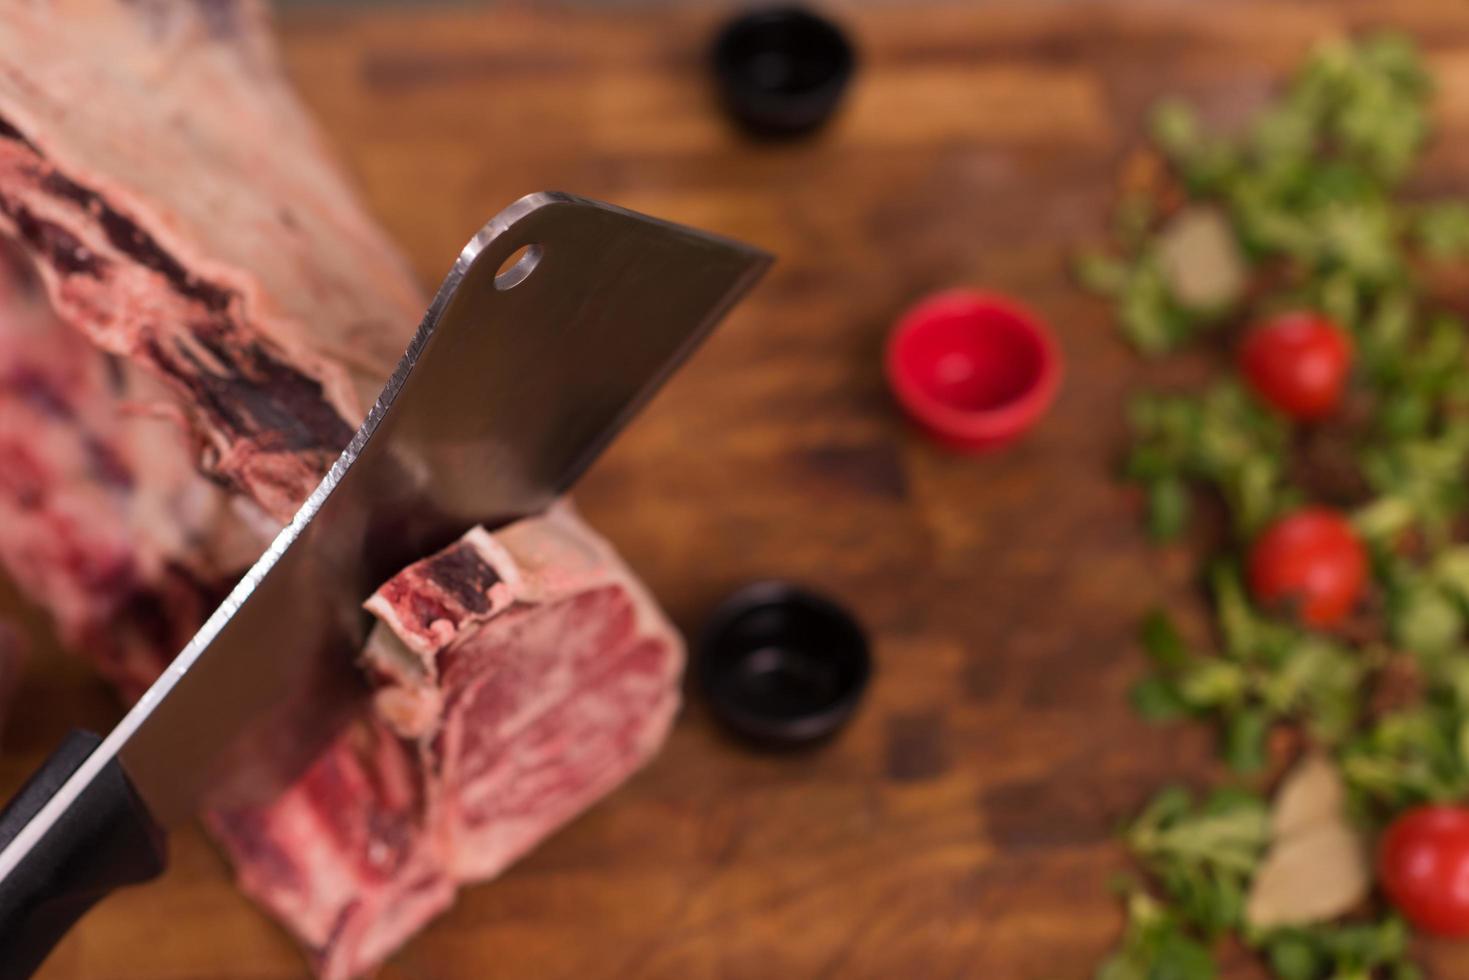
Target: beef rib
[194,310]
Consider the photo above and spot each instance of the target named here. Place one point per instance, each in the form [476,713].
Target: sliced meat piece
[531,673]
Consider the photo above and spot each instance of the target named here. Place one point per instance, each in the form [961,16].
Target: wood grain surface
[965,824]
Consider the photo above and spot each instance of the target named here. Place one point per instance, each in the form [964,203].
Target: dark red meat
[515,691]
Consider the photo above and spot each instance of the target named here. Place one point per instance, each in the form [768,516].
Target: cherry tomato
[1423,861]
[1297,363]
[1310,558]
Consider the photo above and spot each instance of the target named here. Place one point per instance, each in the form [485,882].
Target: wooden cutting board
[964,825]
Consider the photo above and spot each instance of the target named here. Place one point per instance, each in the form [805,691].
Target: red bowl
[973,369]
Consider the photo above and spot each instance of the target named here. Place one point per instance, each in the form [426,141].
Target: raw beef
[193,312]
[525,674]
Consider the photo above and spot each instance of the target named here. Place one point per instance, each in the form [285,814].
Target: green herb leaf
[1162,642]
[1244,740]
[1157,700]
[1156,947]
[1203,855]
[1337,952]
[1168,508]
[1443,230]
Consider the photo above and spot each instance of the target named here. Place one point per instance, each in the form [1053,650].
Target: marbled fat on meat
[518,701]
[192,317]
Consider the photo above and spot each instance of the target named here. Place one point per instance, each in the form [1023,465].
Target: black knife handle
[105,840]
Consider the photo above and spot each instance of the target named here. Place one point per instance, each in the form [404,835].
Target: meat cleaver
[556,323]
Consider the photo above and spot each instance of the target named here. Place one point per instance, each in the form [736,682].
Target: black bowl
[782,666]
[782,71]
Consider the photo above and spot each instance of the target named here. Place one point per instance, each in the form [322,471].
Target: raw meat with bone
[179,301]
